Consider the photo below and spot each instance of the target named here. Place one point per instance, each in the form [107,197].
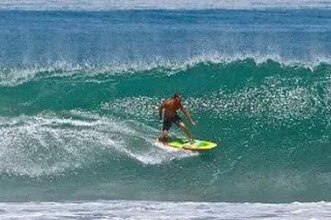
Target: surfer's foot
[164,139]
[161,139]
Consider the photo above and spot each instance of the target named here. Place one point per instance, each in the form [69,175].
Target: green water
[89,134]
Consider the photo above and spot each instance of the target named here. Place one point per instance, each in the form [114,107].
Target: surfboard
[184,144]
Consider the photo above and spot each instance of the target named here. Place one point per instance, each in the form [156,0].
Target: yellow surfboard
[185,144]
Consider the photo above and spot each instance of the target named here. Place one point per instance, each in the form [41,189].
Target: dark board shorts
[167,122]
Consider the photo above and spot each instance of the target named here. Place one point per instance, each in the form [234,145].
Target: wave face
[79,93]
[90,137]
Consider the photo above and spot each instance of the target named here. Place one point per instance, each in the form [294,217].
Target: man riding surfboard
[169,109]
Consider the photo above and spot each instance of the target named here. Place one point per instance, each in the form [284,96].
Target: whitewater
[80,84]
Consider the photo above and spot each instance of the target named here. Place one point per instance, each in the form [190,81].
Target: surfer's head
[178,96]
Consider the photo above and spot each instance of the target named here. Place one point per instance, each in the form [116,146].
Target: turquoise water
[79,93]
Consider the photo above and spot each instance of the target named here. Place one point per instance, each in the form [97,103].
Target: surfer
[169,109]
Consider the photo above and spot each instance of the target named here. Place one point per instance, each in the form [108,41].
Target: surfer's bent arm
[187,114]
[161,110]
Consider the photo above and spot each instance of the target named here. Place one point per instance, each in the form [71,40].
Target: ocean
[80,84]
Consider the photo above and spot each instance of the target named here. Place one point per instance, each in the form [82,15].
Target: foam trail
[47,144]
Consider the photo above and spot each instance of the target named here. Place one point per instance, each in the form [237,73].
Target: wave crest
[16,76]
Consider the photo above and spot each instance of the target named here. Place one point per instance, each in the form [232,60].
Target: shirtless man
[169,109]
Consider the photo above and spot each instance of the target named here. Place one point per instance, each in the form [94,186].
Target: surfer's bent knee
[182,125]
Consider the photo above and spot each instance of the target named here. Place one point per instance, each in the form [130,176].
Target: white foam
[164,210]
[14,77]
[277,98]
[49,144]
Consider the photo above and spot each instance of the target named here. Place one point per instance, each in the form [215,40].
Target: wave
[10,76]
[166,210]
[223,89]
[170,5]
[97,129]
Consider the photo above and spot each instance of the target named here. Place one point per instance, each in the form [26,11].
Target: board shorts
[167,122]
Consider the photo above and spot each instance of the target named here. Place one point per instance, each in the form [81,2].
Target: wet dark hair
[177,94]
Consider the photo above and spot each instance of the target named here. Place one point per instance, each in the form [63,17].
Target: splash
[48,144]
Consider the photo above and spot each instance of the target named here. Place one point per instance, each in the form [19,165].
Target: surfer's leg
[165,130]
[186,131]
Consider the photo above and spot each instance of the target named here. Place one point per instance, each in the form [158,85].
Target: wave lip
[10,77]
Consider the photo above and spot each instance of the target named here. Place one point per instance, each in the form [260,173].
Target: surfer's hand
[194,123]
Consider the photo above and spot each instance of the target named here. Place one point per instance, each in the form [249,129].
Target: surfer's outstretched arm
[187,114]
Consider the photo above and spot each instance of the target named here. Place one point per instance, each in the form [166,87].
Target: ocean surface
[79,91]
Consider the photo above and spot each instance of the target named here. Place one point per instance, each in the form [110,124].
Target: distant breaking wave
[104,5]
